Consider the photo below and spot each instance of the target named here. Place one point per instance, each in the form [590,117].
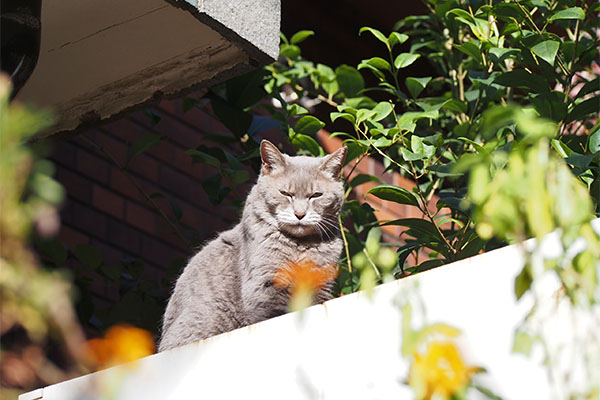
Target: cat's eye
[287,194]
[316,194]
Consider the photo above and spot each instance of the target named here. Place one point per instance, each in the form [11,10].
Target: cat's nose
[299,214]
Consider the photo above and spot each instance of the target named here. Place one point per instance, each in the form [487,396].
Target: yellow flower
[439,371]
[121,344]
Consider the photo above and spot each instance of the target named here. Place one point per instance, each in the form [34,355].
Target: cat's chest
[277,252]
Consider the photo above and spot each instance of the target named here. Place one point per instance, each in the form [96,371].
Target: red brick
[92,166]
[141,217]
[160,253]
[108,201]
[116,148]
[181,185]
[89,220]
[166,234]
[72,236]
[64,153]
[74,184]
[121,184]
[124,129]
[145,166]
[124,237]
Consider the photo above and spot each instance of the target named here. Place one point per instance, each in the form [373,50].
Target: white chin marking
[298,230]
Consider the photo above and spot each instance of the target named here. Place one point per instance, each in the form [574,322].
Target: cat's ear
[272,159]
[333,163]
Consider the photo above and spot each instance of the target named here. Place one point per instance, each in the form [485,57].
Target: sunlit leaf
[301,36]
[395,194]
[403,60]
[546,50]
[569,13]
[417,85]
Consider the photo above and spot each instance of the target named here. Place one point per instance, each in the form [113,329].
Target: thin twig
[346,246]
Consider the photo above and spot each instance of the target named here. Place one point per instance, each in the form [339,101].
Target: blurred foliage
[303,280]
[437,369]
[121,344]
[41,338]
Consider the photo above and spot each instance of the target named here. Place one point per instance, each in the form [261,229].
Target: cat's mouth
[298,229]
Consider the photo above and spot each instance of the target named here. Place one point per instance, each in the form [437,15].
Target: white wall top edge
[347,348]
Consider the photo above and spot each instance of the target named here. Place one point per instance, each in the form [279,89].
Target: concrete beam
[100,59]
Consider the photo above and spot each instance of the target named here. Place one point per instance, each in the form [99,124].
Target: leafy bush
[511,110]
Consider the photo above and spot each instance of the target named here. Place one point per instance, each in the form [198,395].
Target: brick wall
[104,208]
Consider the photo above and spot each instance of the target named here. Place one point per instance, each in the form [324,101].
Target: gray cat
[290,216]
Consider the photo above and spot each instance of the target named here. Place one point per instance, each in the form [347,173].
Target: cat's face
[303,195]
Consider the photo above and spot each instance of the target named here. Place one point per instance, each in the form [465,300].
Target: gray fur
[228,284]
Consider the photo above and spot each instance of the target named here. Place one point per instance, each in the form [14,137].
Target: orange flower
[440,371]
[304,279]
[121,344]
[304,275]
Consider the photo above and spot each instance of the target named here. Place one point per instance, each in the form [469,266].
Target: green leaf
[349,79]
[372,243]
[591,86]
[499,54]
[301,36]
[189,103]
[403,60]
[408,155]
[561,148]
[583,109]
[569,13]
[382,109]
[347,116]
[396,38]
[364,114]
[546,50]
[420,228]
[377,62]
[199,156]
[237,176]
[550,105]
[417,85]
[522,343]
[112,272]
[143,144]
[305,142]
[246,90]
[427,265]
[53,250]
[419,147]
[470,49]
[212,186]
[88,255]
[308,125]
[594,140]
[395,194]
[522,79]
[234,118]
[290,51]
[522,282]
[380,36]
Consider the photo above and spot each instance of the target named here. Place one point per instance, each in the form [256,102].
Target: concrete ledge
[349,347]
[99,60]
